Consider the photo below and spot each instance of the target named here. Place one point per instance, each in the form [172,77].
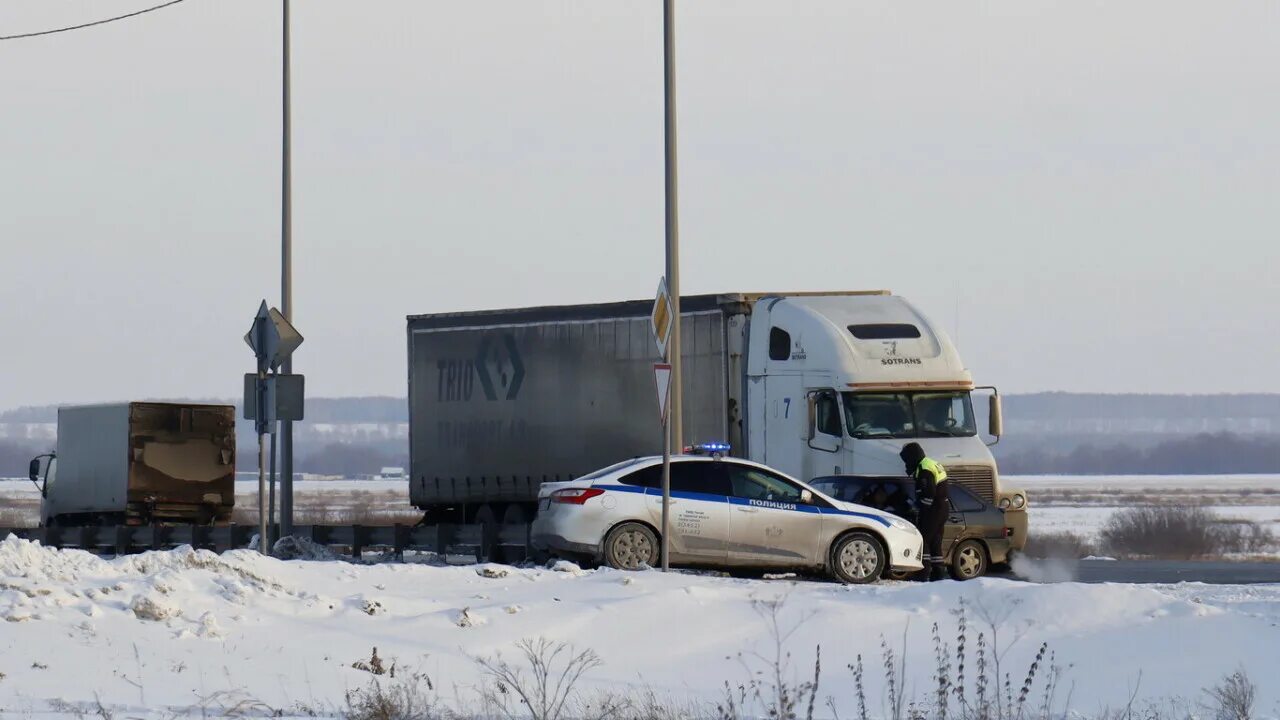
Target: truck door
[769,526]
[824,435]
[699,511]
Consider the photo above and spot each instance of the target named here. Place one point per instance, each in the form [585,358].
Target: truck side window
[828,411]
[779,344]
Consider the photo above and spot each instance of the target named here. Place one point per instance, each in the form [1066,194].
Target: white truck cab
[837,383]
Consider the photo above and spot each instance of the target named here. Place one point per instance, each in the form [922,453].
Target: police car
[725,513]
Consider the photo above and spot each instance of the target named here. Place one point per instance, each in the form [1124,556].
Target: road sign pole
[665,542]
[662,378]
[675,414]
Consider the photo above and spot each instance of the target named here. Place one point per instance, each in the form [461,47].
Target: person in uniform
[931,502]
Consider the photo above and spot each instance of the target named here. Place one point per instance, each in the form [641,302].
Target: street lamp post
[675,422]
[673,224]
[286,279]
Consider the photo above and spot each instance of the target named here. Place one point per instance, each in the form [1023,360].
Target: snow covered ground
[192,634]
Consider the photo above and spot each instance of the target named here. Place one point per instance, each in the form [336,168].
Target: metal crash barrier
[484,543]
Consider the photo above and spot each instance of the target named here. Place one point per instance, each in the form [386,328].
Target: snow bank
[180,628]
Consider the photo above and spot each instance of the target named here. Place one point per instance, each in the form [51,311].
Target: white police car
[725,513]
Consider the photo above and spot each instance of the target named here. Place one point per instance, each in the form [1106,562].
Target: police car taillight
[575,496]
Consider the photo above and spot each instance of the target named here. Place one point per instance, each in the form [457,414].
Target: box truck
[813,384]
[137,463]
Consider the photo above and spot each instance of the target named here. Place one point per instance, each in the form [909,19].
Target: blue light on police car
[710,447]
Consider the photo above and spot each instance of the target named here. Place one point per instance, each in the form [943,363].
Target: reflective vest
[933,466]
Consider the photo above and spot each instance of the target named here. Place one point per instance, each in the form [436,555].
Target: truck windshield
[909,415]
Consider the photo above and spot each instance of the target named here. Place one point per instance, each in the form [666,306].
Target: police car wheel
[857,558]
[969,560]
[631,546]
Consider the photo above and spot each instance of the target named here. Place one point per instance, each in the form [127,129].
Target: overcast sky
[1084,193]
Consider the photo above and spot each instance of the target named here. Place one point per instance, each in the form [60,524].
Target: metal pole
[271,497]
[264,546]
[665,543]
[286,281]
[676,417]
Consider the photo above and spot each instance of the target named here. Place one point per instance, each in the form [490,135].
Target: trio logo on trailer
[500,362]
[497,364]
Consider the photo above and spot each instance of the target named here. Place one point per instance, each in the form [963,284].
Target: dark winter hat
[912,454]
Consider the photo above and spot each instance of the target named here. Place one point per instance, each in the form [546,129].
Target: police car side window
[706,477]
[650,477]
[753,484]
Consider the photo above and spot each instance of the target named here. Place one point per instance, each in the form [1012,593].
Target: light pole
[675,422]
[673,222]
[286,281]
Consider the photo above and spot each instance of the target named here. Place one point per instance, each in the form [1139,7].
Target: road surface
[1149,571]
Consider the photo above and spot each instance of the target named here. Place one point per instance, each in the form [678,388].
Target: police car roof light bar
[715,449]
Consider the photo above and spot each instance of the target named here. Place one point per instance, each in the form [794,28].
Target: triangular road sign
[662,375]
[271,336]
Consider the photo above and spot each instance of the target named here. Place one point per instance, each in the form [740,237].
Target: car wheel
[969,560]
[857,558]
[631,546]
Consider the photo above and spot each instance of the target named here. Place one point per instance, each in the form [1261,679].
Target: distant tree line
[1207,453]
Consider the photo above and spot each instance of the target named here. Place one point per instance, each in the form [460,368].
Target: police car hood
[863,510]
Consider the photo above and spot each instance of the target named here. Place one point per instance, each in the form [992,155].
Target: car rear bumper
[553,543]
[1016,521]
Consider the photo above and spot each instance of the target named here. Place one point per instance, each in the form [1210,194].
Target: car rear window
[963,500]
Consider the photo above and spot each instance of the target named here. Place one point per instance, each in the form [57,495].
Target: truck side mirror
[995,416]
[33,470]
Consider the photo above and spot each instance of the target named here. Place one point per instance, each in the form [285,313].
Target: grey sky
[1087,189]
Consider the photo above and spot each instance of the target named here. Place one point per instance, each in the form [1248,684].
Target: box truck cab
[836,385]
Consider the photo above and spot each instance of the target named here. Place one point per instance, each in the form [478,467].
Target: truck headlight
[1019,501]
[1004,503]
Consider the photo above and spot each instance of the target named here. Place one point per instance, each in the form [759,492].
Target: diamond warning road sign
[661,319]
[662,375]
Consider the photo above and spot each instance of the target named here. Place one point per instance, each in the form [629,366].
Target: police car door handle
[748,509]
[659,500]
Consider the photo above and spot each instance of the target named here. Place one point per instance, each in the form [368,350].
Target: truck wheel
[485,515]
[631,546]
[513,515]
[857,558]
[969,560]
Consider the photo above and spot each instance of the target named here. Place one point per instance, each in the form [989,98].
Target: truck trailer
[139,463]
[813,384]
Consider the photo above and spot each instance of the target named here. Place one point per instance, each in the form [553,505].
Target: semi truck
[138,463]
[813,384]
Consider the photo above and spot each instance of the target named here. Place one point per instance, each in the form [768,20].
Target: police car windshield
[909,415]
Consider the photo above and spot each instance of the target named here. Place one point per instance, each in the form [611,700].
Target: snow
[186,633]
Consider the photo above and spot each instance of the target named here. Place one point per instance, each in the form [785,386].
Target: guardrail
[493,543]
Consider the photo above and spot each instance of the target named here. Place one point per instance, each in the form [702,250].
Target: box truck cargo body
[141,462]
[813,384]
